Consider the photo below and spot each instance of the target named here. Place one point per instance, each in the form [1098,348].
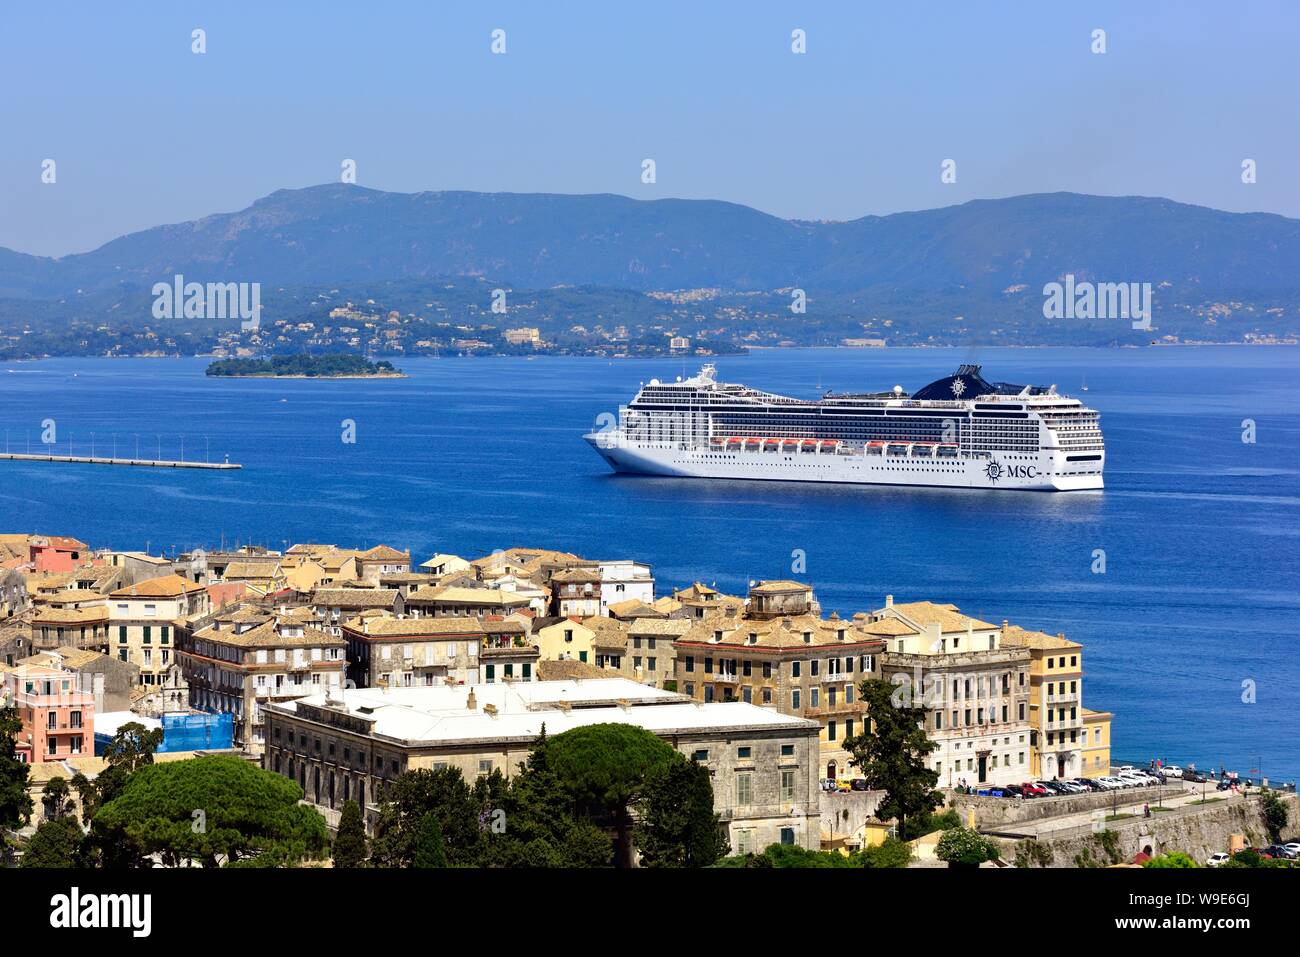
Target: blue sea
[1195,612]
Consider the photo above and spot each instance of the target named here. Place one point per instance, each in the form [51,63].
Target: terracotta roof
[164,586]
[354,597]
[266,635]
[382,553]
[453,594]
[568,670]
[779,588]
[386,626]
[947,617]
[1015,636]
[788,633]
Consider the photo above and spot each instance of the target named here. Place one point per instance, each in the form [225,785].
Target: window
[787,786]
[848,728]
[690,663]
[744,787]
[787,835]
[787,750]
[794,699]
[485,767]
[743,752]
[830,730]
[121,634]
[701,755]
[146,634]
[794,669]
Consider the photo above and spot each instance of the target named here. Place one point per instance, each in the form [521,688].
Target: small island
[336,366]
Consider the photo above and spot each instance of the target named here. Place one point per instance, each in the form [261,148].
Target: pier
[104,460]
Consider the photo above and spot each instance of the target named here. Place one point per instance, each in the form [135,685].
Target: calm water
[1200,529]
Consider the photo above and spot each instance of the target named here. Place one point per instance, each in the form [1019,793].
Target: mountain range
[339,233]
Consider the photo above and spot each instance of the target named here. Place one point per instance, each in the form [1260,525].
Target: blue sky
[145,132]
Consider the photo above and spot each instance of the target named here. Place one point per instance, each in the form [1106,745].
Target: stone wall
[1198,831]
[993,814]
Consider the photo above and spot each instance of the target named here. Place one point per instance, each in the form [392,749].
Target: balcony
[722,678]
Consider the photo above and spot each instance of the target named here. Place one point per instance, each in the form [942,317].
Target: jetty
[105,460]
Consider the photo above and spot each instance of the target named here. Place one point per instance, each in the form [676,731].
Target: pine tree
[350,842]
[15,802]
[678,827]
[891,754]
[429,849]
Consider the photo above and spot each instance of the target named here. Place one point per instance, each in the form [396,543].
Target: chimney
[472,702]
[889,601]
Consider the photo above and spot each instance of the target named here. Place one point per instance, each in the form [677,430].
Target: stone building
[975,691]
[344,747]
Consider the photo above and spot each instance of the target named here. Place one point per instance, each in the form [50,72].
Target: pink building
[58,718]
[57,553]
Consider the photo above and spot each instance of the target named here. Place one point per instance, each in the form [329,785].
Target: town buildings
[143,619]
[975,690]
[238,662]
[345,747]
[58,718]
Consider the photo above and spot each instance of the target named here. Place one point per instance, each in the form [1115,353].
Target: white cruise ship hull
[1045,471]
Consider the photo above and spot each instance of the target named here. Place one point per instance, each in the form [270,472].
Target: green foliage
[56,843]
[891,754]
[608,766]
[349,848]
[210,809]
[542,828]
[677,826]
[892,852]
[790,855]
[408,799]
[1276,815]
[1173,859]
[1109,841]
[56,797]
[1031,853]
[15,802]
[335,364]
[963,847]
[429,848]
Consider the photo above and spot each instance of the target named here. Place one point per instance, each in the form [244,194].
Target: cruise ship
[960,431]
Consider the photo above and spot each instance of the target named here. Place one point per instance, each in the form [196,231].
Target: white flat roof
[108,722]
[431,715]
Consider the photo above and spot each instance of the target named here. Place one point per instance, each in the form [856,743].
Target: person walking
[1146,810]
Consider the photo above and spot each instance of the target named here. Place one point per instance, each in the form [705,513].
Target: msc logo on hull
[995,470]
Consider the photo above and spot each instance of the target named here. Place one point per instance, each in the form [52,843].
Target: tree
[57,842]
[891,754]
[56,796]
[542,828]
[429,849]
[350,841]
[15,802]
[1172,859]
[89,794]
[213,810]
[1276,816]
[607,767]
[677,826]
[404,803]
[963,847]
[893,852]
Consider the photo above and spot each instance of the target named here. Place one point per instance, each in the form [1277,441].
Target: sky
[144,131]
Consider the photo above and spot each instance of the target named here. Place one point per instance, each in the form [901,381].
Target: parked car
[1076,787]
[1012,790]
[1293,846]
[1140,778]
[1195,777]
[858,784]
[1052,787]
[1172,771]
[1280,851]
[1217,860]
[1089,784]
[843,785]
[1225,785]
[1031,789]
[1109,783]
[828,784]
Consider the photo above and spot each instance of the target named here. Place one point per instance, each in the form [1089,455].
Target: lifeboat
[790,444]
[717,440]
[753,443]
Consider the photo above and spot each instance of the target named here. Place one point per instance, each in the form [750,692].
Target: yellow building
[1096,748]
[1059,732]
[565,639]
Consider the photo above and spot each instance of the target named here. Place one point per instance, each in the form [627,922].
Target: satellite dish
[898,390]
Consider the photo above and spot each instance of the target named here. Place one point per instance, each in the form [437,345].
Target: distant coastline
[338,366]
